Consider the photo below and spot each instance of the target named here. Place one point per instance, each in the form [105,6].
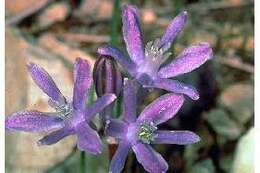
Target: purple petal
[144,79]
[132,33]
[100,104]
[162,109]
[119,56]
[55,136]
[130,93]
[116,128]
[151,160]
[82,83]
[119,158]
[190,59]
[177,87]
[98,76]
[32,121]
[176,137]
[88,139]
[119,82]
[174,28]
[109,77]
[45,82]
[113,78]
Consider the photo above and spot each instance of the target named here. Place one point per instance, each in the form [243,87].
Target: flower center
[155,53]
[146,132]
[64,109]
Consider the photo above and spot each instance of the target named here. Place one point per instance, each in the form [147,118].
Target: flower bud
[107,76]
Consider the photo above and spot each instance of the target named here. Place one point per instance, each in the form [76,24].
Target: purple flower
[138,132]
[70,117]
[145,63]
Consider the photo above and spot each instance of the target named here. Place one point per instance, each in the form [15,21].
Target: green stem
[82,162]
[61,164]
[115,22]
[117,107]
[91,95]
[115,41]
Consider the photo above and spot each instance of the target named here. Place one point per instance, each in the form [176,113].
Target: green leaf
[223,124]
[97,163]
[191,152]
[205,166]
[239,99]
[226,162]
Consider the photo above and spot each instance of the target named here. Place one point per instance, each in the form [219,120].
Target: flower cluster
[147,69]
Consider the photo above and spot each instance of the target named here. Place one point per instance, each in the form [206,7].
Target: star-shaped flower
[139,132]
[70,117]
[145,64]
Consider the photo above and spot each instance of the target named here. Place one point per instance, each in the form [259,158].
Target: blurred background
[52,33]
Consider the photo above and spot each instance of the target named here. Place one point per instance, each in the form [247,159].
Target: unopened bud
[107,76]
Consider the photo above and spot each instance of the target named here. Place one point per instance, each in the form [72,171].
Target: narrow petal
[130,101]
[177,87]
[116,128]
[119,82]
[32,121]
[45,82]
[132,33]
[162,109]
[119,158]
[174,28]
[190,59]
[113,78]
[98,76]
[176,137]
[149,158]
[88,139]
[82,83]
[119,56]
[55,136]
[109,78]
[100,104]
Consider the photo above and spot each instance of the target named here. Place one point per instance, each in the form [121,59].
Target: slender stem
[115,22]
[114,41]
[82,162]
[91,95]
[117,107]
[61,164]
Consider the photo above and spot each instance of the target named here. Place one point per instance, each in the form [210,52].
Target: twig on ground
[27,12]
[85,38]
[237,63]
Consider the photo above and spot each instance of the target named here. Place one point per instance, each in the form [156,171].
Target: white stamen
[154,52]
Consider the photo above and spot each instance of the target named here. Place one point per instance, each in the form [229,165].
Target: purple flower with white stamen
[145,64]
[70,117]
[139,132]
